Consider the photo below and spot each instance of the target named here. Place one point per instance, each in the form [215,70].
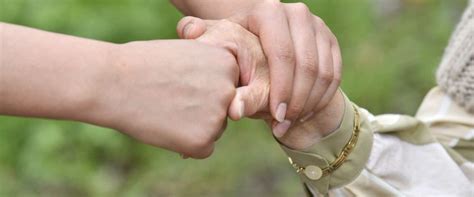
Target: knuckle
[272,4]
[295,109]
[300,8]
[229,75]
[225,90]
[217,120]
[229,93]
[334,39]
[309,66]
[337,79]
[202,153]
[200,144]
[319,21]
[326,77]
[285,54]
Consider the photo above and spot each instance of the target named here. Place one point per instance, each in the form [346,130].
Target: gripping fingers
[271,25]
[326,71]
[337,70]
[304,39]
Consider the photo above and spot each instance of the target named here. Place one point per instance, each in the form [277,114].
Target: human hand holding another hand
[171,94]
[252,97]
[303,55]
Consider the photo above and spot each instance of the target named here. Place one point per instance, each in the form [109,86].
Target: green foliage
[390,57]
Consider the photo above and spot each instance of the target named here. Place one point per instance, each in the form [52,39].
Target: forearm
[49,75]
[212,9]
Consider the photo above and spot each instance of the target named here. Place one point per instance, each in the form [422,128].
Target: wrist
[328,119]
[323,123]
[120,77]
[99,106]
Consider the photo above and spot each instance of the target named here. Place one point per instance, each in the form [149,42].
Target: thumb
[249,100]
[191,27]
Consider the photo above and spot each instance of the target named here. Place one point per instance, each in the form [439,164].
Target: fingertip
[181,24]
[280,129]
[196,29]
[237,107]
[249,100]
[190,27]
[204,153]
[281,112]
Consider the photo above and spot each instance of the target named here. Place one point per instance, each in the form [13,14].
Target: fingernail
[308,116]
[187,29]
[241,109]
[281,112]
[280,129]
[240,105]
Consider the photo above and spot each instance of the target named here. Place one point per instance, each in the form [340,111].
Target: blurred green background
[391,49]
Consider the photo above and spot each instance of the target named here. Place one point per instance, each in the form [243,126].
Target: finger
[203,153]
[249,100]
[337,61]
[221,130]
[271,26]
[281,128]
[191,27]
[304,40]
[194,148]
[252,97]
[244,45]
[326,71]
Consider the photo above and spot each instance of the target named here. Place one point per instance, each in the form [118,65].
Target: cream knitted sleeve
[455,74]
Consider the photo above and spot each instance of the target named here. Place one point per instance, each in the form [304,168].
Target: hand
[252,97]
[170,94]
[303,55]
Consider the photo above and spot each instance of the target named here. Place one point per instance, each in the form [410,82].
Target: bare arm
[48,75]
[146,89]
[212,9]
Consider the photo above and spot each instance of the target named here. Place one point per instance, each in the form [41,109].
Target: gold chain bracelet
[342,157]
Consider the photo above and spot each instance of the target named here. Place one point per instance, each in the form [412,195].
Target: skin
[255,82]
[133,87]
[303,54]
[146,90]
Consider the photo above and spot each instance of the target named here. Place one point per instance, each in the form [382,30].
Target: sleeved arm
[393,155]
[317,166]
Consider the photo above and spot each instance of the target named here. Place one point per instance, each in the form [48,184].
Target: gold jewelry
[316,173]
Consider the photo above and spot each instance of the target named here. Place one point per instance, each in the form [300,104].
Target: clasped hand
[250,65]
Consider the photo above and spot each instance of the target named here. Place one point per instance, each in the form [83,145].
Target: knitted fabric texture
[455,75]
